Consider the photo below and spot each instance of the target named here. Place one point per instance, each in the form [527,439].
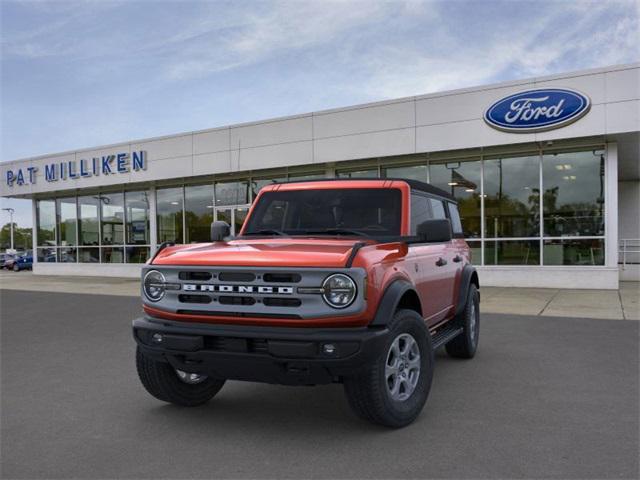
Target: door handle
[457,259]
[441,262]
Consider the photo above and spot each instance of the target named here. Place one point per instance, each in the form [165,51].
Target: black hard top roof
[414,184]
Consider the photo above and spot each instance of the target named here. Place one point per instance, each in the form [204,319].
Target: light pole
[11,212]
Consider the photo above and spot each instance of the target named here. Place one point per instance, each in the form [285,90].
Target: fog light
[157,338]
[329,348]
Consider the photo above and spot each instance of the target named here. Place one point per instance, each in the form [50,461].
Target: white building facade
[546,172]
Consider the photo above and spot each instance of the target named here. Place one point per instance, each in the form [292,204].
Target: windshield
[359,212]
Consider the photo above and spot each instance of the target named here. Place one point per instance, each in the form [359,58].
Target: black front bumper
[290,356]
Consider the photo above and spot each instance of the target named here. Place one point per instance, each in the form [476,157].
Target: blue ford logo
[537,110]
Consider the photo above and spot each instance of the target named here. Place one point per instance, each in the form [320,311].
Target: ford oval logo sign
[537,110]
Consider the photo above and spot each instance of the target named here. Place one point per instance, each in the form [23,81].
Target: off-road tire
[367,392]
[466,344]
[161,380]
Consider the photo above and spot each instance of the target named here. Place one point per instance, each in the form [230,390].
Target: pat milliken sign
[537,110]
[105,165]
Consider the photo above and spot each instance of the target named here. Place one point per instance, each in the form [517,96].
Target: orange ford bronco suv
[348,281]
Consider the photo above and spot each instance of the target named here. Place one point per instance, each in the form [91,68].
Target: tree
[21,237]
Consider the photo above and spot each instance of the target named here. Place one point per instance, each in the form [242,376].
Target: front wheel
[393,389]
[175,386]
[16,268]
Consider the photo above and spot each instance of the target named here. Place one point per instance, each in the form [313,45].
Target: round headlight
[339,290]
[153,285]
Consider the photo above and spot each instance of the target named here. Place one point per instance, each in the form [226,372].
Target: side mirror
[219,231]
[435,231]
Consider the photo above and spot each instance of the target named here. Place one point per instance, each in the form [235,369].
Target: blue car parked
[23,262]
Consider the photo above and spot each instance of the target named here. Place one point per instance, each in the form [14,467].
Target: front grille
[196,276]
[282,277]
[236,277]
[282,302]
[230,300]
[194,298]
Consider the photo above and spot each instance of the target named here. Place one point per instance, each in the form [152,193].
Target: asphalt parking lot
[544,398]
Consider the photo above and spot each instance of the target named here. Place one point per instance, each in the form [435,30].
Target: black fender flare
[468,275]
[389,302]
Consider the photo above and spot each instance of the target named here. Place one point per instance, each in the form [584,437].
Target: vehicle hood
[273,252]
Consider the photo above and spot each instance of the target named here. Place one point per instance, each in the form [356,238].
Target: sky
[87,73]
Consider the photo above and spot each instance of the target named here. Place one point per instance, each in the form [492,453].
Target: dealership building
[546,171]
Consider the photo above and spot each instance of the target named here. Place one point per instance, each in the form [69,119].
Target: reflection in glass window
[420,211]
[456,223]
[573,199]
[307,176]
[88,220]
[67,212]
[368,173]
[475,247]
[512,252]
[112,255]
[137,254]
[574,252]
[512,197]
[232,193]
[169,207]
[414,172]
[67,255]
[258,183]
[47,254]
[239,216]
[462,180]
[198,212]
[112,218]
[46,218]
[437,208]
[89,255]
[137,218]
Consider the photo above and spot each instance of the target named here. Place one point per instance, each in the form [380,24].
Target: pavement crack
[549,302]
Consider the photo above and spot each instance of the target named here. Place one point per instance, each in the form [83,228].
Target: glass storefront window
[46,218]
[414,172]
[258,183]
[512,252]
[573,198]
[476,251]
[293,177]
[232,193]
[169,207]
[47,254]
[67,221]
[112,255]
[574,252]
[462,180]
[137,254]
[112,217]
[137,218]
[67,255]
[366,173]
[88,227]
[198,212]
[512,197]
[89,255]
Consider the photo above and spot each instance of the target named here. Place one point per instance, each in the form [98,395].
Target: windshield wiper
[267,232]
[337,231]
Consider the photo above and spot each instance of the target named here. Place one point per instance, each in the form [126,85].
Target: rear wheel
[175,386]
[393,390]
[466,344]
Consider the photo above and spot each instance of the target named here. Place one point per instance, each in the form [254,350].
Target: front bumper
[282,355]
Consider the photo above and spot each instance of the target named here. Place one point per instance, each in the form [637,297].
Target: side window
[456,223]
[420,211]
[437,207]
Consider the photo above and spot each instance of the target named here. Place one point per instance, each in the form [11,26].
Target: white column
[153,218]
[34,230]
[611,205]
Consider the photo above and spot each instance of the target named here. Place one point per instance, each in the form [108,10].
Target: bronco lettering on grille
[191,287]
